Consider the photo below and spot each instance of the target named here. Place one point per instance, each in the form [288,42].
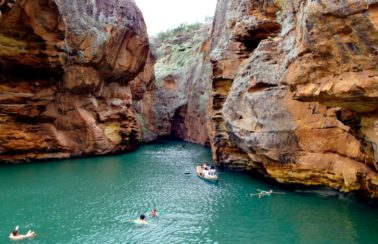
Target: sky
[162,15]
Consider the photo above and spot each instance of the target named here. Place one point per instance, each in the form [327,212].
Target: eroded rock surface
[176,105]
[294,91]
[65,68]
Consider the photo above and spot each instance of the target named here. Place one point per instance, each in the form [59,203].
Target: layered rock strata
[65,68]
[294,91]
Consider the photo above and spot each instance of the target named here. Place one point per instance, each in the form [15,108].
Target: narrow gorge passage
[108,106]
[283,88]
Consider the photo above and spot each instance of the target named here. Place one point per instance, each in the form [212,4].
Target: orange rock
[294,92]
[66,68]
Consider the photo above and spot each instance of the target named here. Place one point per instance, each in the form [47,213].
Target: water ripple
[91,201]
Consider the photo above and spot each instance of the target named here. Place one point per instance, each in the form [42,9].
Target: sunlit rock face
[65,68]
[294,91]
[176,105]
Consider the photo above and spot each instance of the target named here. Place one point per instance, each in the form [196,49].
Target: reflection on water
[90,201]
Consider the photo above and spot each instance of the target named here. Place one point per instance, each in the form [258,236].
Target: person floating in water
[262,193]
[15,235]
[154,213]
[141,220]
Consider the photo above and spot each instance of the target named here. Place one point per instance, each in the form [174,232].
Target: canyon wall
[176,104]
[285,88]
[65,72]
[295,91]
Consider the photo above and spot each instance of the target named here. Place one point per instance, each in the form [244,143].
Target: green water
[90,201]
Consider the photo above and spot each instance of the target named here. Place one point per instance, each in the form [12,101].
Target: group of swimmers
[142,217]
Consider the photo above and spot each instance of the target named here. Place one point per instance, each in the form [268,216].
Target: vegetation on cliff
[178,49]
[182,83]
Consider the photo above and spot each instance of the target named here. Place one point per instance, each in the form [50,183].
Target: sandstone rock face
[294,91]
[143,89]
[65,68]
[176,105]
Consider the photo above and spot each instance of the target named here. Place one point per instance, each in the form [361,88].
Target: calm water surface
[90,201]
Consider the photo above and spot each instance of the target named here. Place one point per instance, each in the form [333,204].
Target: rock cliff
[295,91]
[65,72]
[176,105]
[285,88]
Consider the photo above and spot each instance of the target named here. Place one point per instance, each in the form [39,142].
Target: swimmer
[262,193]
[15,234]
[154,213]
[141,220]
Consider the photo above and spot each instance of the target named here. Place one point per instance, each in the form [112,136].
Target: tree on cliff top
[182,31]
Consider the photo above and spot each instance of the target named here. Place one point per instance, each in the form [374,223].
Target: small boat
[207,172]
